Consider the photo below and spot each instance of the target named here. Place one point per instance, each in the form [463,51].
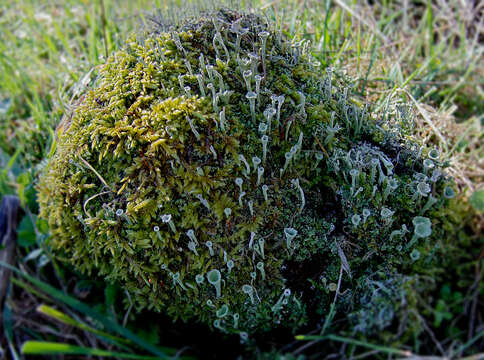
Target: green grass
[425,55]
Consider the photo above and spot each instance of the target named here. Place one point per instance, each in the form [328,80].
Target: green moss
[146,143]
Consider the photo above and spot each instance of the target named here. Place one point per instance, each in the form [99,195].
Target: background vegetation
[427,54]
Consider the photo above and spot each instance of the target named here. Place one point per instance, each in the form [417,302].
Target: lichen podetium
[210,160]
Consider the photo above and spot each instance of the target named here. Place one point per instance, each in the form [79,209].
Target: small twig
[181,351]
[339,283]
[304,347]
[322,147]
[344,261]
[95,172]
[366,354]
[430,332]
[91,198]
[475,300]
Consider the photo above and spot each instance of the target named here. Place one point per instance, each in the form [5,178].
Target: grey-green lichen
[209,160]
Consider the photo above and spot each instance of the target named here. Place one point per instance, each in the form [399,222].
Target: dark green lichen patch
[215,174]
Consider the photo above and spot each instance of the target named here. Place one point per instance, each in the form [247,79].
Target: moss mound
[212,170]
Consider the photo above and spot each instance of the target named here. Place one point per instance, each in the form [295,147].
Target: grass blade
[384,349]
[85,309]
[8,328]
[55,348]
[66,319]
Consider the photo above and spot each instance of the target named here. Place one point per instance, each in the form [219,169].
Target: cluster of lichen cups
[204,159]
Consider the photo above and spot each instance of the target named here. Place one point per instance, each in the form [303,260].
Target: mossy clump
[211,161]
